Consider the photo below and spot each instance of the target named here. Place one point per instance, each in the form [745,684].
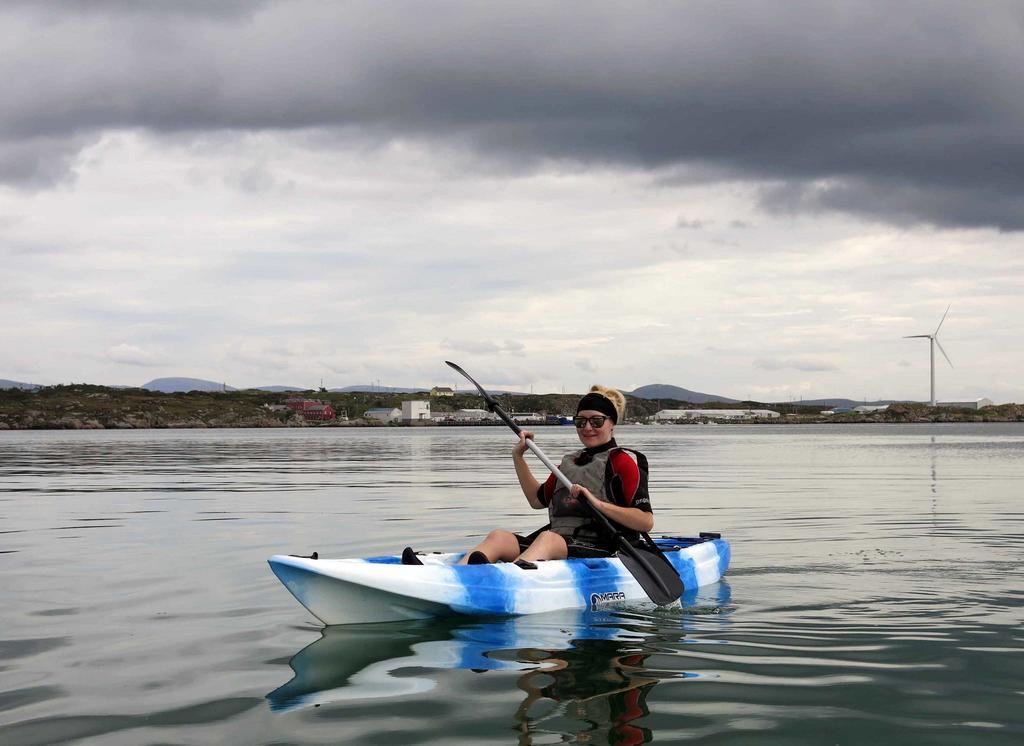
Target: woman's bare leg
[548,545]
[499,546]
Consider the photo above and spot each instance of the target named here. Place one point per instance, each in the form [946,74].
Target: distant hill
[6,384]
[174,385]
[839,402]
[651,392]
[369,388]
[665,391]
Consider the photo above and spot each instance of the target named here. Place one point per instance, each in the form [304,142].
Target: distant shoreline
[353,424]
[87,407]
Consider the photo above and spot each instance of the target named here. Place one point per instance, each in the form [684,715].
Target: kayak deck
[376,589]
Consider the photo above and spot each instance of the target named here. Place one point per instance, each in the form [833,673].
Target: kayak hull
[379,589]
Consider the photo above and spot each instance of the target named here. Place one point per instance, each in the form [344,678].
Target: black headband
[599,403]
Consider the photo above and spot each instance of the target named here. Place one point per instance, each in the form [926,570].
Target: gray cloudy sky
[753,199]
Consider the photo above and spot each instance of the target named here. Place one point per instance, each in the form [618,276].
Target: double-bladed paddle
[646,562]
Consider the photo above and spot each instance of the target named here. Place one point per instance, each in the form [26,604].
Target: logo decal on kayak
[599,599]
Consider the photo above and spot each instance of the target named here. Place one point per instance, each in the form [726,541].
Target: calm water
[876,591]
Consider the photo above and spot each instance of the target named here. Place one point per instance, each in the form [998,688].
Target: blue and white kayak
[382,589]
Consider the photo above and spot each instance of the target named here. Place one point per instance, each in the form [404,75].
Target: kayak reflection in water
[583,676]
[605,477]
[598,684]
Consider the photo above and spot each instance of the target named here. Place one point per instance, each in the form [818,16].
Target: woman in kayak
[611,479]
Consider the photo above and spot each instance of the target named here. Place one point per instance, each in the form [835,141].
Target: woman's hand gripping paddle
[646,563]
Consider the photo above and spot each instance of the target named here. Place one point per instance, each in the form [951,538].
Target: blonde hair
[615,397]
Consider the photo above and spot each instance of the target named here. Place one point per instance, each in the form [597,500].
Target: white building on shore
[413,411]
[383,414]
[465,415]
[694,415]
[865,408]
[974,404]
[527,418]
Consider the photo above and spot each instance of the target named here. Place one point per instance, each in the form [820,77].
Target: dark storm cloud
[207,8]
[38,161]
[903,112]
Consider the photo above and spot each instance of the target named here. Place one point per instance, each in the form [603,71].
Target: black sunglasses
[597,421]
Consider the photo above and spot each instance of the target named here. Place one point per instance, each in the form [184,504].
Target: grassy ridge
[81,406]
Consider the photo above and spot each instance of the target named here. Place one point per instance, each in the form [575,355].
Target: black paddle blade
[492,403]
[487,397]
[653,572]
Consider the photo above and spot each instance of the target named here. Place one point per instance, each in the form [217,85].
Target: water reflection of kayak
[582,654]
[377,589]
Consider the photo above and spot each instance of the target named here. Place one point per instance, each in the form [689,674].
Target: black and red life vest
[571,518]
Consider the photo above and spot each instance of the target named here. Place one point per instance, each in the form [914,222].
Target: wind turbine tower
[933,340]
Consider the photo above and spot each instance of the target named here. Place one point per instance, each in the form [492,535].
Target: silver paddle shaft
[548,463]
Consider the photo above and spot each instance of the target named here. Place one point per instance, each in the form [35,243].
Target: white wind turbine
[933,341]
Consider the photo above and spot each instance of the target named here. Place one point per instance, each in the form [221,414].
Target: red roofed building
[311,409]
[318,412]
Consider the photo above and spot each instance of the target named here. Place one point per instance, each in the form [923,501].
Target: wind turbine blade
[939,345]
[943,319]
[918,336]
